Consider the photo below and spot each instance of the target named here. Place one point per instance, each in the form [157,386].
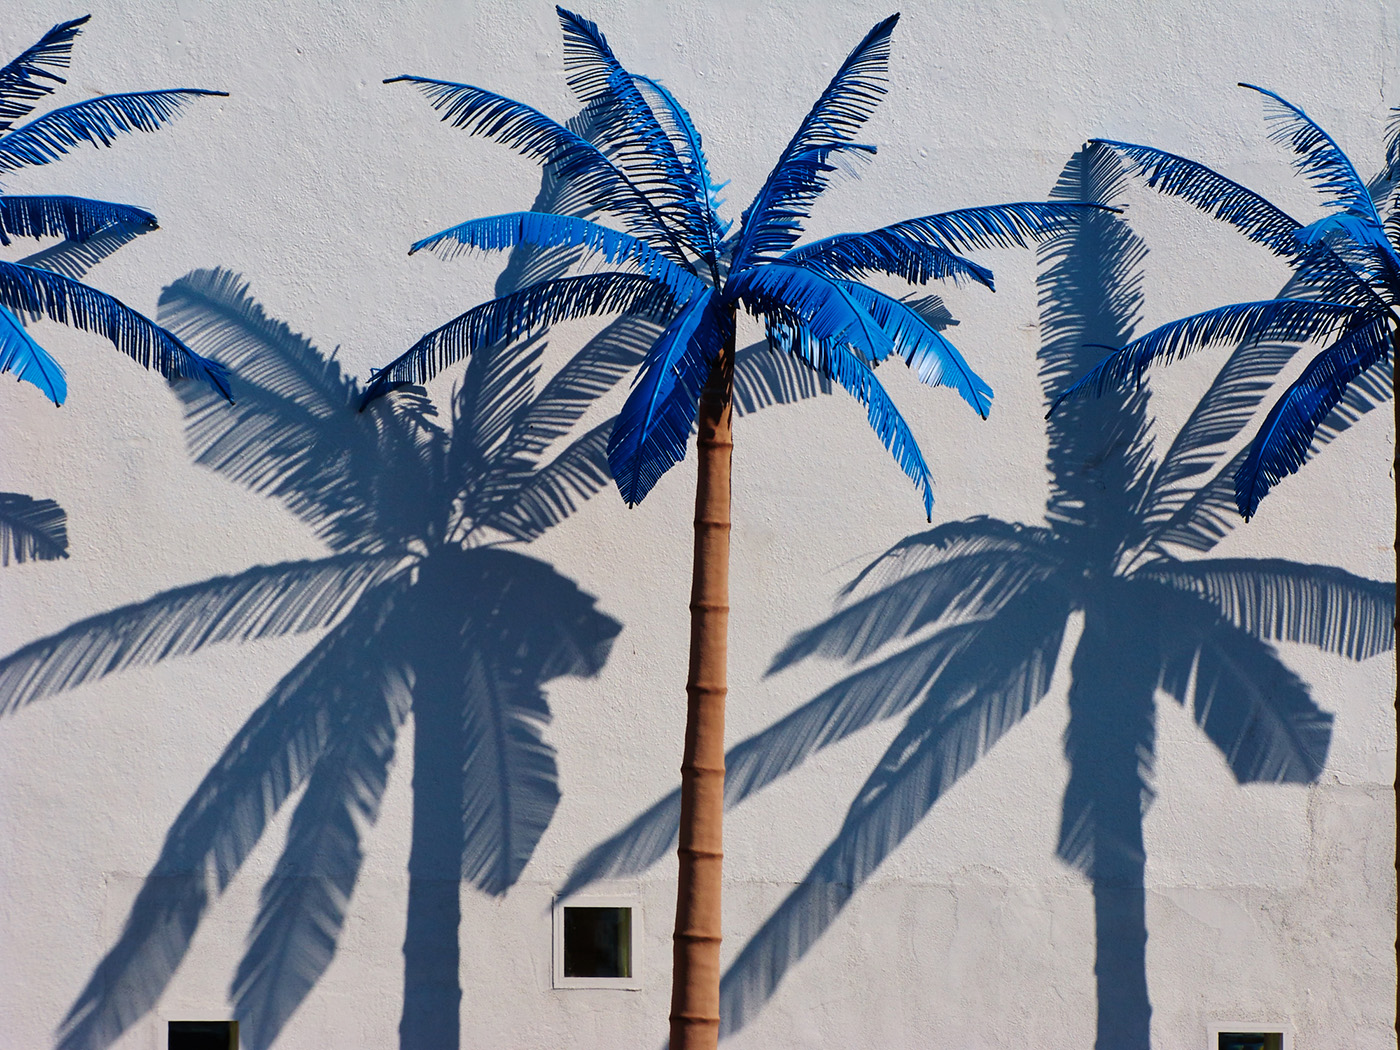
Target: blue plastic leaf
[822,307]
[528,310]
[1281,320]
[31,529]
[20,354]
[72,218]
[834,118]
[836,360]
[499,232]
[1359,238]
[684,136]
[881,251]
[1285,437]
[573,159]
[97,120]
[923,347]
[772,224]
[39,292]
[627,130]
[1328,277]
[1221,198]
[1319,157]
[653,428]
[24,80]
[923,249]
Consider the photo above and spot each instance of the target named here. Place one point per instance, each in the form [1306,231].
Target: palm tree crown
[1345,291]
[649,173]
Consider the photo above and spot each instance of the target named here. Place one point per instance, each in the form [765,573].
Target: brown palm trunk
[695,977]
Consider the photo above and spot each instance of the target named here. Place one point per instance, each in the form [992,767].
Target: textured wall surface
[1264,902]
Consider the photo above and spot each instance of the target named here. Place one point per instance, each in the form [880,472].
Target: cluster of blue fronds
[637,159]
[1346,288]
[44,285]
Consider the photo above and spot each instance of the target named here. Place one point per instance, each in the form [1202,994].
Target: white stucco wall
[1264,903]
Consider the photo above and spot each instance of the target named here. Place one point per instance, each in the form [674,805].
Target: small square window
[595,941]
[202,1035]
[1235,1035]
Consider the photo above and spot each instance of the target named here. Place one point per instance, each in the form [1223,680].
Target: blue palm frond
[936,238]
[848,99]
[542,230]
[1285,437]
[880,251]
[771,223]
[20,354]
[685,137]
[627,130]
[793,297]
[837,361]
[72,218]
[1281,320]
[653,428]
[573,159]
[1320,159]
[1222,198]
[1362,241]
[936,361]
[23,79]
[38,292]
[528,310]
[1326,275]
[31,529]
[97,120]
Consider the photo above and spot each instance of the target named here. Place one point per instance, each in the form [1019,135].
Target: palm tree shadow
[958,630]
[425,606]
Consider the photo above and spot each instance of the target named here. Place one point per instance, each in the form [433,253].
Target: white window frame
[1265,1027]
[600,900]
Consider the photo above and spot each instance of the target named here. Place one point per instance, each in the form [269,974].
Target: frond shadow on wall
[424,606]
[957,631]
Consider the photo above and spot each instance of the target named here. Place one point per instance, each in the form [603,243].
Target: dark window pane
[1250,1041]
[597,942]
[203,1035]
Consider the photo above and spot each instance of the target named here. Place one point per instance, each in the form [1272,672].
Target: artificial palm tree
[958,631]
[648,172]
